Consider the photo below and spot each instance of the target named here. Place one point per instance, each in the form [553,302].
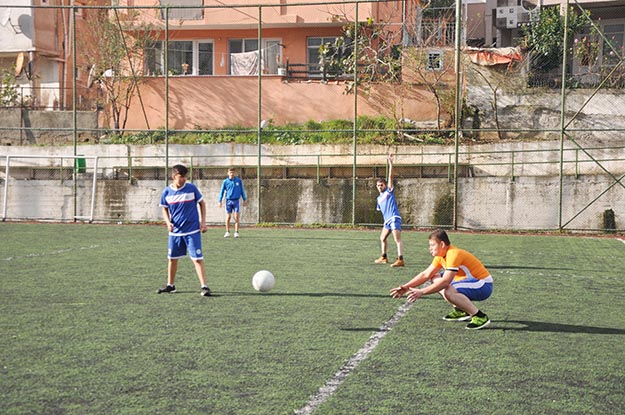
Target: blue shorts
[178,245]
[393,224]
[474,289]
[232,205]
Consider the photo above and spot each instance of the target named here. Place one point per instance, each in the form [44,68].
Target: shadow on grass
[281,294]
[526,267]
[541,326]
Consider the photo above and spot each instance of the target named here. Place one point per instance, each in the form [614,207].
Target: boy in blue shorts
[232,189]
[455,274]
[387,204]
[180,201]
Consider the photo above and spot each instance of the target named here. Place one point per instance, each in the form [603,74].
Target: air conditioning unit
[506,17]
[523,18]
[511,17]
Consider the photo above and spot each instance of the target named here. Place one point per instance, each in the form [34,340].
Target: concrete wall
[45,127]
[491,199]
[226,101]
[486,202]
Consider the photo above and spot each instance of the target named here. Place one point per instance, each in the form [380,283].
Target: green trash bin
[81,165]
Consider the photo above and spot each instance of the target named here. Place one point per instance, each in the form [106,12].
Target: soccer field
[84,332]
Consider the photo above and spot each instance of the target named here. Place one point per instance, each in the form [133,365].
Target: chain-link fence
[519,130]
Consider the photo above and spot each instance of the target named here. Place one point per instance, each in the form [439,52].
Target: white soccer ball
[263,281]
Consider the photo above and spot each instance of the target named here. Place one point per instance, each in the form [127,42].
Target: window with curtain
[184,57]
[194,13]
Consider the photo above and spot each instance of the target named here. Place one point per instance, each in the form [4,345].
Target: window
[183,13]
[184,57]
[240,64]
[313,55]
[434,60]
[613,45]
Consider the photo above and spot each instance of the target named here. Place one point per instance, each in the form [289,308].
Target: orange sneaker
[381,260]
[398,263]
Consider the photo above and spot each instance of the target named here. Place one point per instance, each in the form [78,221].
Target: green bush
[371,130]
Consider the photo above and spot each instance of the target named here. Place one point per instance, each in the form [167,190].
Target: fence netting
[512,119]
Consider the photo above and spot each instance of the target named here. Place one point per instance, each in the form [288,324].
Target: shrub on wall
[444,211]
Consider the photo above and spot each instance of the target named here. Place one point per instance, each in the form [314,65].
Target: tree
[544,37]
[9,95]
[378,53]
[385,54]
[113,48]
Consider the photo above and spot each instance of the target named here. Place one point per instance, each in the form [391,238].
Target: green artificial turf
[84,332]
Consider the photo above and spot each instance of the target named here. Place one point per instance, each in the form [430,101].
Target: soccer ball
[263,281]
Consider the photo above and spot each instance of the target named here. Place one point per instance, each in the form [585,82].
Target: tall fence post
[563,112]
[259,120]
[166,72]
[355,125]
[458,114]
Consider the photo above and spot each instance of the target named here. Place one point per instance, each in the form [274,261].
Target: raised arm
[390,171]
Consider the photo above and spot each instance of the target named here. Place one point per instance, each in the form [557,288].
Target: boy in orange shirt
[458,276]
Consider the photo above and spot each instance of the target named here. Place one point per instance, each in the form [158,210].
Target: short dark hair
[180,169]
[381,180]
[441,236]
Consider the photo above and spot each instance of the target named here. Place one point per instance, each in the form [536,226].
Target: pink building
[213,62]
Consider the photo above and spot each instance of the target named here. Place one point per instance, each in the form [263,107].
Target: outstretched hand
[397,292]
[414,294]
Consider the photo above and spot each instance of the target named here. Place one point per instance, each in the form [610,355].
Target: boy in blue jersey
[232,189]
[392,219]
[180,202]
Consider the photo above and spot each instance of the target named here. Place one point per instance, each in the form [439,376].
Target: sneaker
[167,289]
[236,234]
[381,260]
[398,263]
[457,315]
[478,322]
[206,292]
[227,234]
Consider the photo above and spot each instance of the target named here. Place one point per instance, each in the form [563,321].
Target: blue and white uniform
[388,206]
[233,190]
[183,210]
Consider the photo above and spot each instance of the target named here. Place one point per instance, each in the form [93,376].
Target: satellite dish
[19,64]
[529,5]
[91,77]
[5,16]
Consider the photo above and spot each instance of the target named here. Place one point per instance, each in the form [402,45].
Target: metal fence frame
[565,132]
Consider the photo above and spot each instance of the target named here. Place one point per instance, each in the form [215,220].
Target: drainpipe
[404,40]
[67,49]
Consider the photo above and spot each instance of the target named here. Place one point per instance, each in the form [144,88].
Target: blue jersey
[233,189]
[388,205]
[183,209]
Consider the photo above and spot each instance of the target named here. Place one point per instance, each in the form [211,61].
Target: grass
[83,331]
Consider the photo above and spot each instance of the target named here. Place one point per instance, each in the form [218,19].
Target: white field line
[332,385]
[60,251]
[622,240]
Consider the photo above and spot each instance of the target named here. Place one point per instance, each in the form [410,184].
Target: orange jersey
[463,262]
